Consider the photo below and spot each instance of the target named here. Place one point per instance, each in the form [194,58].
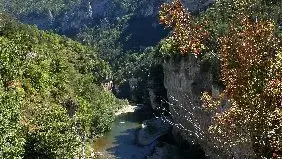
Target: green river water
[120,142]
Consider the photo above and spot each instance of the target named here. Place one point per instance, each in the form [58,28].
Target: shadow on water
[120,142]
[127,148]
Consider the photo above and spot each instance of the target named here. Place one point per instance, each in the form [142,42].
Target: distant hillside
[69,18]
[120,31]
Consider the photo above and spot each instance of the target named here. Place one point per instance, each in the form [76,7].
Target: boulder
[153,129]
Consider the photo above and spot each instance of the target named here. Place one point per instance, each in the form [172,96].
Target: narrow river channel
[120,142]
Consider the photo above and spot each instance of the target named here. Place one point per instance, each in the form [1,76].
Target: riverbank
[127,109]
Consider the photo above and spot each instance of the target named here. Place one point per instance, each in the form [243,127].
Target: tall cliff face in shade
[185,79]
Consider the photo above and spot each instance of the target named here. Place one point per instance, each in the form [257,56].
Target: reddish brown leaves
[188,34]
[251,64]
[249,110]
[245,52]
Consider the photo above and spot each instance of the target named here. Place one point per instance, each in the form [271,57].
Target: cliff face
[68,21]
[143,28]
[185,79]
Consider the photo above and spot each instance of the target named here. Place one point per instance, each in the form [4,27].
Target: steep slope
[51,96]
[69,18]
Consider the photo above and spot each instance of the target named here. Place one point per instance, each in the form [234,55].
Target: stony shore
[127,109]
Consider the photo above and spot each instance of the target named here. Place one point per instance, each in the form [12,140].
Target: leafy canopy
[52,85]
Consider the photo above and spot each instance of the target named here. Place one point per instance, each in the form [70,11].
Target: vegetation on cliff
[51,98]
[245,37]
[251,73]
[188,35]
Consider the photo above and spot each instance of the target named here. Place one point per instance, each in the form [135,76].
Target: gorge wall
[185,79]
[142,27]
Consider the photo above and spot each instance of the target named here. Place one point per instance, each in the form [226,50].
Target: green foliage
[167,48]
[11,139]
[105,39]
[124,64]
[50,133]
[113,31]
[97,109]
[125,6]
[133,65]
[223,13]
[139,66]
[27,6]
[60,99]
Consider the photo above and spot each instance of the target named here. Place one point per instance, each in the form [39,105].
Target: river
[120,142]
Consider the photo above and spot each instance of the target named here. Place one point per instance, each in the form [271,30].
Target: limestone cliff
[185,79]
[143,29]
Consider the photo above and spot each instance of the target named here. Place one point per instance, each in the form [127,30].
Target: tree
[50,94]
[244,35]
[188,34]
[251,73]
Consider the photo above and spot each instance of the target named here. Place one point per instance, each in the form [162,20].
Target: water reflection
[120,142]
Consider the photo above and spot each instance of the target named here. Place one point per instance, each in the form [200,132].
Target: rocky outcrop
[185,79]
[153,129]
[70,21]
[153,97]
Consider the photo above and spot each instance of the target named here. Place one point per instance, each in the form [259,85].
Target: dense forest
[51,97]
[56,55]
